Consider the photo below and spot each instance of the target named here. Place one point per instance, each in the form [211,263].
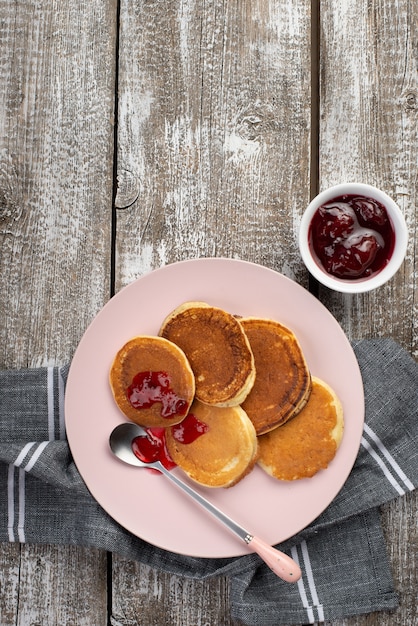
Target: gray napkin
[342,553]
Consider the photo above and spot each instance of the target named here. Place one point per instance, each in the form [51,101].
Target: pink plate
[147,504]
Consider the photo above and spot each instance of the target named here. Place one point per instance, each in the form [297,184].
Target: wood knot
[128,189]
[258,124]
[411,101]
[249,126]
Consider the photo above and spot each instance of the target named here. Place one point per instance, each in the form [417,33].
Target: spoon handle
[281,564]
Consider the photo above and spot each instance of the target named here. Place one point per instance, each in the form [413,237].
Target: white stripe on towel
[21,519]
[11,490]
[22,498]
[311,581]
[379,443]
[23,453]
[382,466]
[11,502]
[36,455]
[302,590]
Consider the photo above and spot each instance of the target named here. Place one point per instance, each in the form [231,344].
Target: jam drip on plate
[152,447]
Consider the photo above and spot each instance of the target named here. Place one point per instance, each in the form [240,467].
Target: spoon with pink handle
[121,445]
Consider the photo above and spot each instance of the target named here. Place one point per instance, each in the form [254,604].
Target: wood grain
[159,599]
[56,152]
[369,133]
[9,582]
[57,72]
[214,142]
[52,586]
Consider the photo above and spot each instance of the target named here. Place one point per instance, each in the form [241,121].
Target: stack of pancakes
[248,381]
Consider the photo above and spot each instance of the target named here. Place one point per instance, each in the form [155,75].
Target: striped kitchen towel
[342,553]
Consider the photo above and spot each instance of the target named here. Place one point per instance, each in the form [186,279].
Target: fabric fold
[342,553]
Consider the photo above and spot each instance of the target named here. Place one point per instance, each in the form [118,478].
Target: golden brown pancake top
[283,382]
[217,349]
[224,454]
[308,442]
[151,354]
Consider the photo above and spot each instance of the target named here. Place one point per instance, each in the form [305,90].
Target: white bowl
[357,285]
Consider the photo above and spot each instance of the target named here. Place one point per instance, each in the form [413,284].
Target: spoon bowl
[281,564]
[120,442]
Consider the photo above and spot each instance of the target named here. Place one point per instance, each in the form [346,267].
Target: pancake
[308,442]
[221,456]
[158,379]
[217,349]
[283,381]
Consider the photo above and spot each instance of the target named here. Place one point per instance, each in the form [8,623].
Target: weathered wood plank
[57,72]
[157,599]
[213,160]
[53,589]
[214,115]
[9,582]
[46,585]
[368,133]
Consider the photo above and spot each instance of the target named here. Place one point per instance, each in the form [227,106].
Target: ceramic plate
[147,504]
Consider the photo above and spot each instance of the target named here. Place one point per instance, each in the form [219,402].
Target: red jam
[352,236]
[147,388]
[189,429]
[153,448]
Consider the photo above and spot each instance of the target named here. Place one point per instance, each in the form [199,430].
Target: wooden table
[136,134]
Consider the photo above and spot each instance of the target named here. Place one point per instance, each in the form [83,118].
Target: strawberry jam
[147,388]
[153,448]
[352,236]
[189,429]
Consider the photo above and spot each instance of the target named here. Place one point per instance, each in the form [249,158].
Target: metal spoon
[121,445]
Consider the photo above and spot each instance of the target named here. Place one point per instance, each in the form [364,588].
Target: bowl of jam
[353,237]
